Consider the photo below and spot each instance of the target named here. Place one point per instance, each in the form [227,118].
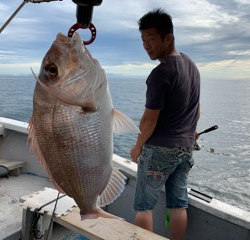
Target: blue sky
[214,33]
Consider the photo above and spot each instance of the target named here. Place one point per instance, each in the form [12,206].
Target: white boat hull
[215,220]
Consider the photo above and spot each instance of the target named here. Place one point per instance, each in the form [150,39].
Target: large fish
[71,129]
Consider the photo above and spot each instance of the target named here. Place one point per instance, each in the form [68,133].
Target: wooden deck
[105,228]
[94,229]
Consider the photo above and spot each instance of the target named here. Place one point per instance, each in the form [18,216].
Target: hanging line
[12,16]
[19,8]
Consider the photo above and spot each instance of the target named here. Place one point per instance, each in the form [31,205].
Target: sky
[214,33]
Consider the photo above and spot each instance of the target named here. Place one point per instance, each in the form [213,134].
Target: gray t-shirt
[174,87]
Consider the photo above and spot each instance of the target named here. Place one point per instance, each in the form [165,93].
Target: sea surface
[222,166]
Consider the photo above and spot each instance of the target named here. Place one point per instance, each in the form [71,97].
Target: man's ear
[168,38]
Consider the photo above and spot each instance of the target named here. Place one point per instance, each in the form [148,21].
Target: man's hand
[135,152]
[196,135]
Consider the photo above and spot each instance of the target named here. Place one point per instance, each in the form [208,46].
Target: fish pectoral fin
[113,190]
[123,123]
[89,103]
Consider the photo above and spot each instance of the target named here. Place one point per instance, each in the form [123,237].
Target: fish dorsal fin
[123,123]
[113,190]
[88,103]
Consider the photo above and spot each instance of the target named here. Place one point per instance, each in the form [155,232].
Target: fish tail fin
[123,123]
[113,190]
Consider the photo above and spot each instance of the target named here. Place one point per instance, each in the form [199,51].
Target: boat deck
[70,227]
[11,190]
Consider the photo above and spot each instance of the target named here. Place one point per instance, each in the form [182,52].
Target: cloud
[137,70]
[209,31]
[239,53]
[226,69]
[20,68]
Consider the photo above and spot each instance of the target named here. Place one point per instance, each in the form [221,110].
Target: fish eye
[51,69]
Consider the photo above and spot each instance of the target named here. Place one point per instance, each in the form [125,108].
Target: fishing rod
[196,145]
[209,130]
[193,192]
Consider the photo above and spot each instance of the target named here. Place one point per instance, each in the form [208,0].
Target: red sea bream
[72,125]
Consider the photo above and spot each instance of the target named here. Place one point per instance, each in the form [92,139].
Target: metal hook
[91,27]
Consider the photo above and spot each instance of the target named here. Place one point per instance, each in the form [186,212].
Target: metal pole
[12,16]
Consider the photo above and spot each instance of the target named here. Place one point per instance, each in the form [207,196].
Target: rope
[12,16]
[51,220]
[19,8]
[35,231]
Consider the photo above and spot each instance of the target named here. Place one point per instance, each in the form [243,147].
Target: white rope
[19,8]
[12,16]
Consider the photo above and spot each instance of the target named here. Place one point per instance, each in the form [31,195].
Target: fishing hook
[91,27]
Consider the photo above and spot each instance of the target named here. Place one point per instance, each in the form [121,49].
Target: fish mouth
[77,43]
[76,40]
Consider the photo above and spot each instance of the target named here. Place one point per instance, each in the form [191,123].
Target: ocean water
[222,166]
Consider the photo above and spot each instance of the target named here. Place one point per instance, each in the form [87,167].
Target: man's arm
[147,125]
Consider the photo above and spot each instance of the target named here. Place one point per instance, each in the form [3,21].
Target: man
[167,126]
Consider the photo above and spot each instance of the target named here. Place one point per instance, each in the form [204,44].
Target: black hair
[158,19]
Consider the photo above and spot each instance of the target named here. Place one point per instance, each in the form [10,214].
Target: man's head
[157,19]
[156,29]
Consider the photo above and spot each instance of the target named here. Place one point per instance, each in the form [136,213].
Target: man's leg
[178,223]
[177,195]
[144,220]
